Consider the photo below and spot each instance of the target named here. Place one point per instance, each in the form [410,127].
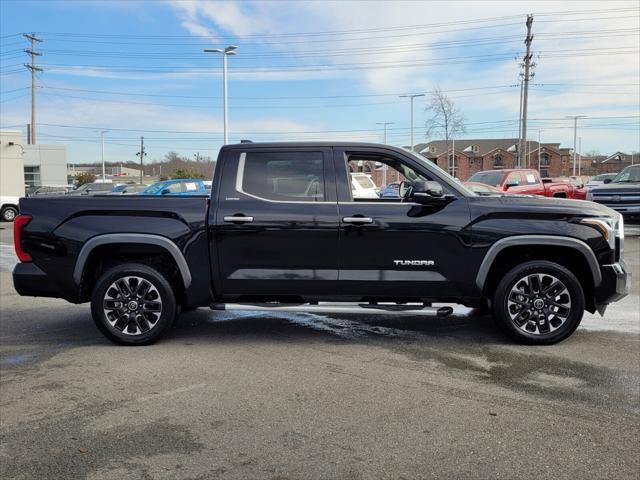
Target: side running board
[363,308]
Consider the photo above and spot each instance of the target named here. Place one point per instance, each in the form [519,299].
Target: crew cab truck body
[525,181]
[283,231]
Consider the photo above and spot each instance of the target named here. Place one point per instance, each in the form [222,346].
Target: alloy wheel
[132,305]
[539,304]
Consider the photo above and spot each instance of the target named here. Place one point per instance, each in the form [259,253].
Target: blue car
[179,186]
[391,191]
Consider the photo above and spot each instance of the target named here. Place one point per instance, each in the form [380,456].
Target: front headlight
[608,226]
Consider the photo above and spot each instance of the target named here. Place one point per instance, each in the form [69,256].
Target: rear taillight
[19,222]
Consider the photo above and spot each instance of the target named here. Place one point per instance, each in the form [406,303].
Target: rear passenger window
[282,176]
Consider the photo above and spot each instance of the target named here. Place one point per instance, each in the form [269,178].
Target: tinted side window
[283,176]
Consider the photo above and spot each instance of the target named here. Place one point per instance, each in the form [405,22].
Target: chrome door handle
[357,220]
[238,219]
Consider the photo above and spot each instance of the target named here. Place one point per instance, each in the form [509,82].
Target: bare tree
[446,119]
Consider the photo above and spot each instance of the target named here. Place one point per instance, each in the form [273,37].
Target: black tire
[516,295]
[143,324]
[8,214]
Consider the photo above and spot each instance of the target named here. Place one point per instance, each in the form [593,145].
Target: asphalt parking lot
[285,396]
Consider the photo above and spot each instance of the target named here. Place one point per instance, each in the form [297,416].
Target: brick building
[475,155]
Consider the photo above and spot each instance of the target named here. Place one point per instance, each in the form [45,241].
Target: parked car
[8,207]
[524,181]
[483,189]
[622,194]
[600,179]
[127,189]
[96,188]
[392,190]
[362,186]
[537,264]
[180,186]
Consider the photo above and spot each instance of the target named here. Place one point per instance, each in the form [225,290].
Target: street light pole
[104,177]
[575,131]
[411,96]
[230,50]
[384,140]
[579,156]
[539,148]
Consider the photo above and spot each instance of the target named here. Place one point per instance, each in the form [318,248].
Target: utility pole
[384,126]
[453,158]
[519,152]
[104,177]
[141,154]
[527,76]
[575,132]
[32,51]
[411,96]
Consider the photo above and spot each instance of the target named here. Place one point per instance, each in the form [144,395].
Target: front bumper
[614,285]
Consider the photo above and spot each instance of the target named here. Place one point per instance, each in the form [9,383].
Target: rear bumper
[614,285]
[30,281]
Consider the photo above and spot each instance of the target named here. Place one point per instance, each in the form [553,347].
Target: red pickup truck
[525,181]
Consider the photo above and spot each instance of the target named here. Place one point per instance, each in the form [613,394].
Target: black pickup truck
[283,230]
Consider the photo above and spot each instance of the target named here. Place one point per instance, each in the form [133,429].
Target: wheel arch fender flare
[552,240]
[138,238]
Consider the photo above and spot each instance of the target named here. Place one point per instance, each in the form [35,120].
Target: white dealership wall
[50,160]
[11,164]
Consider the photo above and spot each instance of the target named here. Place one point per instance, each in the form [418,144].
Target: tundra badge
[414,263]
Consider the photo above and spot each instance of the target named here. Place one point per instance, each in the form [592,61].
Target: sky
[317,70]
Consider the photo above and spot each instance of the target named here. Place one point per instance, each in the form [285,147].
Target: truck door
[395,248]
[275,228]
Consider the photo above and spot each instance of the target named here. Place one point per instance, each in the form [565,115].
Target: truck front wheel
[539,302]
[133,304]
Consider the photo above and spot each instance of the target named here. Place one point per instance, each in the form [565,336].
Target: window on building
[545,160]
[433,149]
[498,161]
[475,148]
[283,176]
[32,176]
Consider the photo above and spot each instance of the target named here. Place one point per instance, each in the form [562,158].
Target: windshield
[628,175]
[488,178]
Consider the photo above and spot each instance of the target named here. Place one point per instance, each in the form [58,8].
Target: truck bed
[61,226]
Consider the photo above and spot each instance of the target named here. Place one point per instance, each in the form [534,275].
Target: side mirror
[607,180]
[509,185]
[165,191]
[426,191]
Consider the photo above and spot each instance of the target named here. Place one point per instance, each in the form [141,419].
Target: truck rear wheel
[539,303]
[133,304]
